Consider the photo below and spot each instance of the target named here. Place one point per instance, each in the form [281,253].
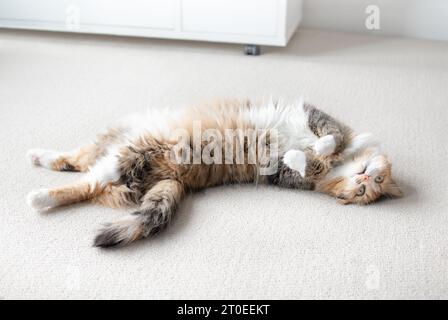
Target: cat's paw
[40,200]
[42,157]
[34,155]
[325,146]
[296,160]
[361,142]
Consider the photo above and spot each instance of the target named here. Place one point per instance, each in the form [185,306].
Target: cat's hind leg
[114,196]
[75,160]
[44,199]
[104,174]
[79,159]
[156,210]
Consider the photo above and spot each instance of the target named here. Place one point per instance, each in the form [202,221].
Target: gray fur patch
[286,177]
[321,124]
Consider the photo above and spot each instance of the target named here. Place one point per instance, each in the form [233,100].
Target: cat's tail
[155,213]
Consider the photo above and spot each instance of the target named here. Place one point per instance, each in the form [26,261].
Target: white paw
[325,145]
[360,143]
[40,200]
[296,160]
[34,156]
[42,157]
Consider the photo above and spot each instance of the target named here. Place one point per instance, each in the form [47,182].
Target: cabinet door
[159,14]
[243,17]
[33,10]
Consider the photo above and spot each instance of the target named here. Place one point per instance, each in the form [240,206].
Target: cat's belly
[204,176]
[298,142]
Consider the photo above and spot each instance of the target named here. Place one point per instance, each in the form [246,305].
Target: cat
[141,161]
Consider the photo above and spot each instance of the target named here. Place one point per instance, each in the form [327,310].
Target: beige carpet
[58,90]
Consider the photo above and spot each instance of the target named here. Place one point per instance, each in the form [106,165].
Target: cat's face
[363,180]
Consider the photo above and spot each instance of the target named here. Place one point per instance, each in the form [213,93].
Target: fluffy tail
[155,213]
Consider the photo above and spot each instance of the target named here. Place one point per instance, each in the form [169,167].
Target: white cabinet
[30,11]
[158,14]
[267,22]
[249,17]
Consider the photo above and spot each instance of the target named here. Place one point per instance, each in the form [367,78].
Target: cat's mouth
[361,174]
[362,169]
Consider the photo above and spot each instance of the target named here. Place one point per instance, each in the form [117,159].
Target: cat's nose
[362,178]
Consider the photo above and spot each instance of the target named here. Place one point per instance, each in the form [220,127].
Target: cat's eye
[361,191]
[379,179]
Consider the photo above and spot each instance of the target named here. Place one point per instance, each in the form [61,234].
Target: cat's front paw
[40,200]
[34,156]
[42,157]
[296,160]
[325,145]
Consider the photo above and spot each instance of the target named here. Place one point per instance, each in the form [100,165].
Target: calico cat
[142,161]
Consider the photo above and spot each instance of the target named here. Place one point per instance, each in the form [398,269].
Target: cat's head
[362,180]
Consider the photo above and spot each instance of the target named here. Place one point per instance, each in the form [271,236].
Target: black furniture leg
[252,50]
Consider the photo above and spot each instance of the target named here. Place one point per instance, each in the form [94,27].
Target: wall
[426,19]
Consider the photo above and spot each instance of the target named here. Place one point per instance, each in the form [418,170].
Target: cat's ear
[393,190]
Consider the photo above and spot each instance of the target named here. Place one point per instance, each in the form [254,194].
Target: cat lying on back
[134,163]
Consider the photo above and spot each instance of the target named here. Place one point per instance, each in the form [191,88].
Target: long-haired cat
[143,161]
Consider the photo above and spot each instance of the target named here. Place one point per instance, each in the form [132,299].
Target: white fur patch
[40,199]
[360,142]
[296,160]
[105,170]
[288,118]
[325,145]
[375,165]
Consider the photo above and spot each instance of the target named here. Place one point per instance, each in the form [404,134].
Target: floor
[58,90]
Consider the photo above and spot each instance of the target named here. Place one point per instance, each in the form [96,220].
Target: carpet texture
[58,90]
